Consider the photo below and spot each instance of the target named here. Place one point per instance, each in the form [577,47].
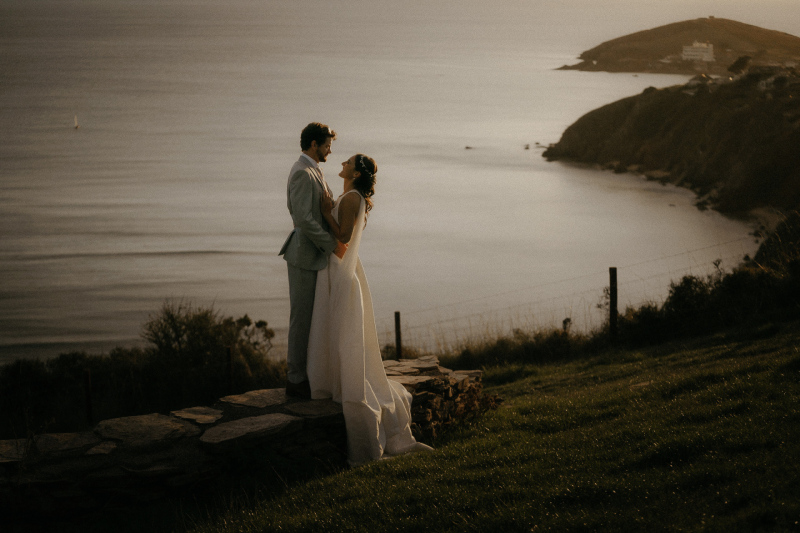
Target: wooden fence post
[230,369]
[612,307]
[87,391]
[398,338]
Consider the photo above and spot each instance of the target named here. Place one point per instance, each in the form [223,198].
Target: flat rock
[315,408]
[104,448]
[473,375]
[145,430]
[404,370]
[154,471]
[59,443]
[391,372]
[422,364]
[251,427]
[12,451]
[258,398]
[199,415]
[411,382]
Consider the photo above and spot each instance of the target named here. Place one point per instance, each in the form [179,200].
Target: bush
[522,347]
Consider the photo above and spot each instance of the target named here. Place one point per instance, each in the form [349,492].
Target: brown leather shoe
[298,390]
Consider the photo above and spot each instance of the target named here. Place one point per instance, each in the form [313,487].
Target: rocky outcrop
[660,49]
[733,141]
[141,458]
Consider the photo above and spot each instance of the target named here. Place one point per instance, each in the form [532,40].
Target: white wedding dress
[344,359]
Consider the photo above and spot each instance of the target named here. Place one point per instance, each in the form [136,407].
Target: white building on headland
[698,52]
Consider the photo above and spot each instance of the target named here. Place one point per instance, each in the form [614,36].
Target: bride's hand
[326,203]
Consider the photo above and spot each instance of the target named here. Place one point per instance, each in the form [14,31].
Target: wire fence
[580,299]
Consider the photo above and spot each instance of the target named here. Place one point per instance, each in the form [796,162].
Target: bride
[344,358]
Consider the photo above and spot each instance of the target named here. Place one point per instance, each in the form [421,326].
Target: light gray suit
[306,251]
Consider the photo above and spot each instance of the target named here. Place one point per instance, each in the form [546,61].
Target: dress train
[344,359]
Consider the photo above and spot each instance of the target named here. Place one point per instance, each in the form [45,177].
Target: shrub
[521,347]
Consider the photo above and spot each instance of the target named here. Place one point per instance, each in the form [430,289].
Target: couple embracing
[333,343]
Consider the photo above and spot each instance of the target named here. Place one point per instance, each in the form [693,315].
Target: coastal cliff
[662,49]
[735,142]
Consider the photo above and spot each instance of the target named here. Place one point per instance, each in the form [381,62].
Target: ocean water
[173,186]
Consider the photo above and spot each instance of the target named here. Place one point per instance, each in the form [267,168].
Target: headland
[707,45]
[733,140]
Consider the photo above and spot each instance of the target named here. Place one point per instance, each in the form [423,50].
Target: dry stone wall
[146,457]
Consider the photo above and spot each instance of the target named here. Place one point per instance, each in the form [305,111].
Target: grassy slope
[696,436]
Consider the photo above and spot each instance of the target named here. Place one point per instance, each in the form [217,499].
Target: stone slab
[145,430]
[315,408]
[104,448]
[250,427]
[12,451]
[153,471]
[428,358]
[258,398]
[473,375]
[404,370]
[411,382]
[423,364]
[59,443]
[199,415]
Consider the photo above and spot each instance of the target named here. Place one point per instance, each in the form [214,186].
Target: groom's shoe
[298,390]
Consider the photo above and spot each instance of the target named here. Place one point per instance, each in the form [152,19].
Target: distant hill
[735,143]
[660,49]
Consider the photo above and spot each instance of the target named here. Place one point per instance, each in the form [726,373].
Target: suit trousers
[302,286]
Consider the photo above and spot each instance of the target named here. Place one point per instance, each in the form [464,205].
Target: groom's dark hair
[315,132]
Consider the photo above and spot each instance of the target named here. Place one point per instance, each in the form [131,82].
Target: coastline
[733,142]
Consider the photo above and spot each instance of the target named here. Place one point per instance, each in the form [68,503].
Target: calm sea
[173,186]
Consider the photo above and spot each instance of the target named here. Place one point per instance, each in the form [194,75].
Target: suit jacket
[310,244]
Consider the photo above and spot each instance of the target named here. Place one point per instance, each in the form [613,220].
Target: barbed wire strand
[572,279]
[581,295]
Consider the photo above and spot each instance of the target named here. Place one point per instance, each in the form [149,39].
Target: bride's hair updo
[365,182]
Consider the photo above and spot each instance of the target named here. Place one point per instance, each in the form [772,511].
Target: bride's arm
[348,210]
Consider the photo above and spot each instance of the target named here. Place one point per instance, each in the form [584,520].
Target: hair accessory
[361,159]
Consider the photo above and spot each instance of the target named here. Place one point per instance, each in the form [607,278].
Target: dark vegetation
[735,143]
[193,357]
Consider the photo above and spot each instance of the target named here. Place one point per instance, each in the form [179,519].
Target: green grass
[698,436]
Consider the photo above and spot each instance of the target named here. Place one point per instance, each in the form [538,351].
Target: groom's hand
[341,248]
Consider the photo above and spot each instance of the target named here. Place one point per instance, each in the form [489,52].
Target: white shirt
[316,165]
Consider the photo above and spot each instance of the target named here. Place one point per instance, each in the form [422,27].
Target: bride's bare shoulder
[350,201]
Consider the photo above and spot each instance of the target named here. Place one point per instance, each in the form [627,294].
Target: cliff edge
[735,142]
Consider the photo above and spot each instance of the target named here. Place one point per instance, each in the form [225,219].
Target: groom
[307,248]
